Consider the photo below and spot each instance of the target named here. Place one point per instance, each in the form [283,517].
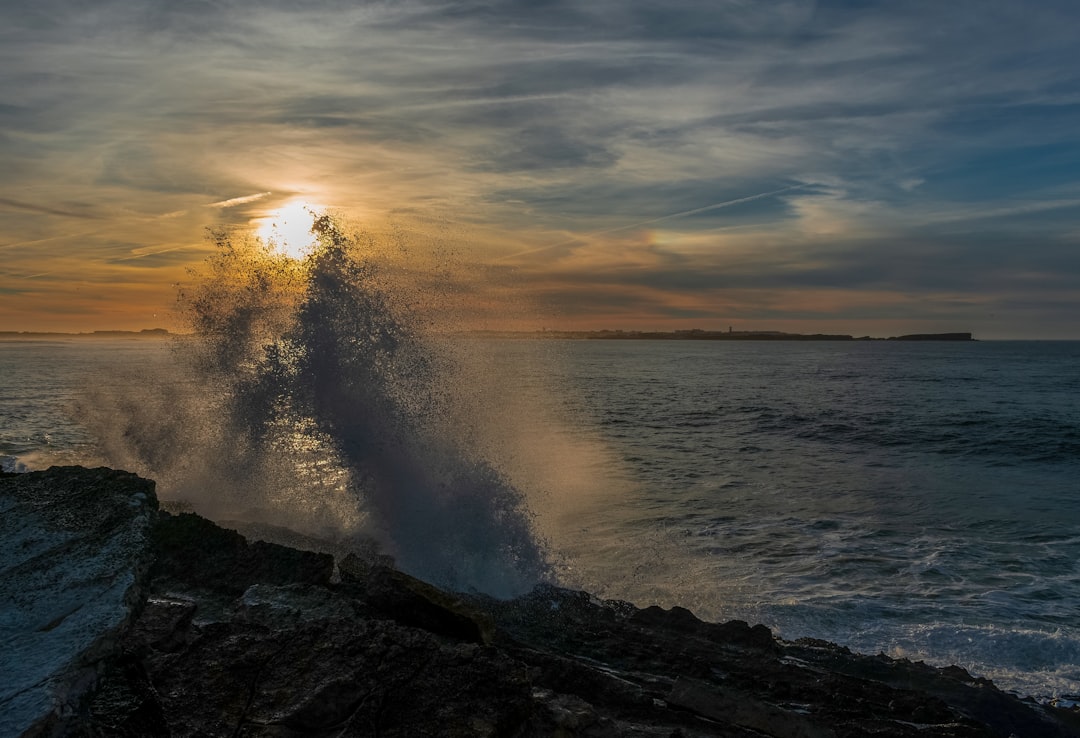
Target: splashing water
[308,396]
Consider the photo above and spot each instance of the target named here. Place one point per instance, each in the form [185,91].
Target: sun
[288,229]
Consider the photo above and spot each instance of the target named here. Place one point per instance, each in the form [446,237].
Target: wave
[1001,438]
[312,395]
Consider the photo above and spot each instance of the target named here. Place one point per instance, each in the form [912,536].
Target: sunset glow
[609,165]
[288,228]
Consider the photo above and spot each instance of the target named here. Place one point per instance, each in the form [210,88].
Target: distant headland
[145,333]
[694,334]
[729,335]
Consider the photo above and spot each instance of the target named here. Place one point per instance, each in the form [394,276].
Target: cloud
[44,209]
[576,241]
[559,130]
[234,201]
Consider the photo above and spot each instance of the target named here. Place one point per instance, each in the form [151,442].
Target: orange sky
[811,167]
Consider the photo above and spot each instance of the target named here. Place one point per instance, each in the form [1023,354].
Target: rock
[643,670]
[340,677]
[252,639]
[163,624]
[395,595]
[72,573]
[936,696]
[285,606]
[732,633]
[125,704]
[743,710]
[194,553]
[569,715]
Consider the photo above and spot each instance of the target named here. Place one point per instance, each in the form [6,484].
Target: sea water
[916,499]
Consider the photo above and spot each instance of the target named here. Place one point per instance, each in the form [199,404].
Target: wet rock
[193,553]
[397,596]
[743,710]
[941,697]
[733,633]
[383,653]
[125,704]
[567,713]
[163,624]
[252,639]
[284,606]
[643,669]
[340,677]
[72,569]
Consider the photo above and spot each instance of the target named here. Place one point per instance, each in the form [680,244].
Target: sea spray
[308,396]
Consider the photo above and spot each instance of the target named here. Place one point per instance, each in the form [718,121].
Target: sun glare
[288,229]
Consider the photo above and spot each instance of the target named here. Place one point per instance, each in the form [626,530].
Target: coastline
[218,634]
[694,334]
[156,333]
[703,335]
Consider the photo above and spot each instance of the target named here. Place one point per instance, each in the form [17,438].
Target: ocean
[920,500]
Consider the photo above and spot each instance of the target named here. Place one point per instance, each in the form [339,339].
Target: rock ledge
[228,637]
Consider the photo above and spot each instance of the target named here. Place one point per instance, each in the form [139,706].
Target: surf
[312,394]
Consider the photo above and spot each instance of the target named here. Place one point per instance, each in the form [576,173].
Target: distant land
[145,333]
[729,335]
[694,334]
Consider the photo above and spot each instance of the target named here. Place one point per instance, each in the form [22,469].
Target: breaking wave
[313,395]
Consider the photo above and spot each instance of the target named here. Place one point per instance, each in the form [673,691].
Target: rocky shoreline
[123,620]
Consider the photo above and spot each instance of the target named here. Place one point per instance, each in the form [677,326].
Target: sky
[871,168]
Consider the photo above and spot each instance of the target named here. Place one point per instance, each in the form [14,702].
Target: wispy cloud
[234,201]
[44,209]
[559,136]
[658,219]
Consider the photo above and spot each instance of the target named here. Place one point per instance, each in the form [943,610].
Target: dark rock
[340,677]
[285,606]
[397,596]
[164,624]
[732,633]
[126,704]
[253,639]
[383,653]
[72,571]
[568,715]
[943,695]
[562,674]
[675,670]
[743,710]
[193,553]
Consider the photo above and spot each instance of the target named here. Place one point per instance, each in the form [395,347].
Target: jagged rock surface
[667,668]
[72,566]
[380,653]
[252,639]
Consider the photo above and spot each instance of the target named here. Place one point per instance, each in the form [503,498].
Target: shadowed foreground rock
[252,639]
[73,560]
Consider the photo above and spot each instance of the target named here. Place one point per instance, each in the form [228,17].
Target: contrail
[714,206]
